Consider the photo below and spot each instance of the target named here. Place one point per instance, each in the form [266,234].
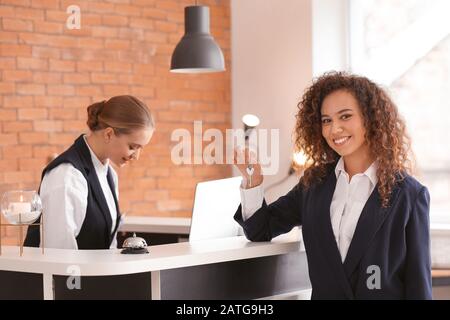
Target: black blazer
[395,239]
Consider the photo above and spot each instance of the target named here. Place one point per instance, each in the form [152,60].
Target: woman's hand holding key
[245,160]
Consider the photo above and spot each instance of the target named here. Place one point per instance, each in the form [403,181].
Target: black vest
[95,232]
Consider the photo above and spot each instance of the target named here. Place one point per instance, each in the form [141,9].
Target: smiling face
[123,148]
[343,124]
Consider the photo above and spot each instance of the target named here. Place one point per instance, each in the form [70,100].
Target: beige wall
[271,47]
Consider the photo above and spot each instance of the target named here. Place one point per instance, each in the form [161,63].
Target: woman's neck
[96,146]
[358,162]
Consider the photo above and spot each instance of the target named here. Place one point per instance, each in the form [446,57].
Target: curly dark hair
[385,131]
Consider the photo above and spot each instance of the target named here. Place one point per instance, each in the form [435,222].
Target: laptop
[215,204]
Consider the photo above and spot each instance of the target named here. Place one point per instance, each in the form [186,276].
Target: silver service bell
[134,245]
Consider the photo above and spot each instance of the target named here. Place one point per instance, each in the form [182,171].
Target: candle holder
[21,209]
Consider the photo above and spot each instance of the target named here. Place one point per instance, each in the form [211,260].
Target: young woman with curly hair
[364,218]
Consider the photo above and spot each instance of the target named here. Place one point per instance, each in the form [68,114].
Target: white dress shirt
[64,194]
[346,206]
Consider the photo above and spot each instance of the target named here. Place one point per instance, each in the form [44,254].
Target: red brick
[17,25]
[14,50]
[154,13]
[85,31]
[8,63]
[18,177]
[8,139]
[170,5]
[36,164]
[62,65]
[164,26]
[144,3]
[91,43]
[47,77]
[101,7]
[32,63]
[17,151]
[48,27]
[121,67]
[131,33]
[90,66]
[44,151]
[103,78]
[117,44]
[16,75]
[8,115]
[90,90]
[127,10]
[6,11]
[48,101]
[7,88]
[169,205]
[182,193]
[17,101]
[65,139]
[48,126]
[17,126]
[33,137]
[8,37]
[47,4]
[76,78]
[90,19]
[115,90]
[132,195]
[115,21]
[177,17]
[56,15]
[141,23]
[32,113]
[74,126]
[76,102]
[143,208]
[156,37]
[62,114]
[8,165]
[154,195]
[30,89]
[46,52]
[61,90]
[27,13]
[104,32]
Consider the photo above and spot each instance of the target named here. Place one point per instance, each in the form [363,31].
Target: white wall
[330,35]
[271,66]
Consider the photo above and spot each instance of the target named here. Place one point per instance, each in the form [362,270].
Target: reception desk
[229,268]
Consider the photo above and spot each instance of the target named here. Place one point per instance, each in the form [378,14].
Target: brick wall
[50,74]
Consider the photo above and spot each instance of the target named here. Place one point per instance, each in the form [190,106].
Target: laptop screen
[215,204]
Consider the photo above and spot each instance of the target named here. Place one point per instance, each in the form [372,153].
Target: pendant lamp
[197,52]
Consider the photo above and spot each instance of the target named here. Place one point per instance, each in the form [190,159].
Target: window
[405,46]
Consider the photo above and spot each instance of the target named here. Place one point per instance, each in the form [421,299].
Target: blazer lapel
[324,232]
[370,221]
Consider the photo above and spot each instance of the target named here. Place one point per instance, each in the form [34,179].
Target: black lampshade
[197,52]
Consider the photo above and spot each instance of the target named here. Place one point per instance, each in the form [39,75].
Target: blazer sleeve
[272,220]
[418,259]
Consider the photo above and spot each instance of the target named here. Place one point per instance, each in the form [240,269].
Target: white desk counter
[162,257]
[178,256]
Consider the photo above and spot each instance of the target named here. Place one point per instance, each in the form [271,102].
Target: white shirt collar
[98,165]
[371,172]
